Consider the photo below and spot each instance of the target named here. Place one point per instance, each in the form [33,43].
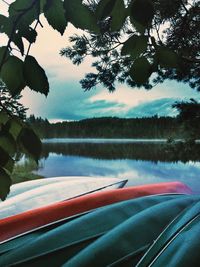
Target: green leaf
[43,3]
[30,143]
[12,75]
[114,9]
[3,117]
[140,71]
[23,30]
[3,20]
[142,11]
[55,15]
[104,8]
[118,15]
[5,160]
[3,51]
[5,183]
[35,76]
[22,14]
[167,57]
[80,16]
[14,127]
[10,165]
[4,157]
[135,46]
[27,11]
[7,26]
[137,26]
[7,142]
[28,33]
[17,40]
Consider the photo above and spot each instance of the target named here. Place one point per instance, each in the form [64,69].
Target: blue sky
[68,101]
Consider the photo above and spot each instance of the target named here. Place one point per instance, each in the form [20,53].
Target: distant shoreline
[150,128]
[109,140]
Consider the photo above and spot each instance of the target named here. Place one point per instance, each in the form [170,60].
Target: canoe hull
[37,218]
[52,193]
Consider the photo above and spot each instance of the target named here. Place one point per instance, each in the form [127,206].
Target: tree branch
[13,31]
[183,5]
[29,47]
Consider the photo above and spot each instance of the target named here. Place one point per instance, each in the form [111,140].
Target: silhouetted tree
[11,104]
[189,117]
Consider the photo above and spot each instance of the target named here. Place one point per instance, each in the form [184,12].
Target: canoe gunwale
[168,242]
[60,248]
[130,255]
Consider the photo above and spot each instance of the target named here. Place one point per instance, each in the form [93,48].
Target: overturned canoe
[28,221]
[51,193]
[131,237]
[101,237]
[178,245]
[120,211]
[20,188]
[23,187]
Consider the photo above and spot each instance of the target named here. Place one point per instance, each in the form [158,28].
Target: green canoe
[76,242]
[130,237]
[179,244]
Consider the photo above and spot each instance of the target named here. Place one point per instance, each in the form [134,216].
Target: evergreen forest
[110,127]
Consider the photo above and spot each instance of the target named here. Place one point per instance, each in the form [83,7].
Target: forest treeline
[110,127]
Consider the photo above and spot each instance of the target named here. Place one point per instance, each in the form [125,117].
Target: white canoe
[33,184]
[54,192]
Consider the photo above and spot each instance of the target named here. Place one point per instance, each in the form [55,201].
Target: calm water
[140,162]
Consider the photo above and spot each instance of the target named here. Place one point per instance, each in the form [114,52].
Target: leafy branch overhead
[140,42]
[15,136]
[19,69]
[118,33]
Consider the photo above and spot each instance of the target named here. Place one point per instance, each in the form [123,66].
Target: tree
[141,43]
[189,117]
[110,24]
[11,104]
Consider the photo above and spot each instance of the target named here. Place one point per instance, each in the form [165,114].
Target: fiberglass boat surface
[39,217]
[51,193]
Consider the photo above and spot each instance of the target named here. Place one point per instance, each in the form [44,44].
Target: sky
[68,101]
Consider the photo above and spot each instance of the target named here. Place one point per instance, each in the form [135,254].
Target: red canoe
[22,223]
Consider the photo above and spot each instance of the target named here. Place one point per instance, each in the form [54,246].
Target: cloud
[67,101]
[104,108]
[133,97]
[160,107]
[63,102]
[47,48]
[77,109]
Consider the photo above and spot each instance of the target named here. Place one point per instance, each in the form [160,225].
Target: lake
[139,161]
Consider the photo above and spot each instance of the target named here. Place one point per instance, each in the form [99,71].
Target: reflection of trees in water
[151,152]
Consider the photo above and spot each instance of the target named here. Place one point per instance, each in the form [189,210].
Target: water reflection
[138,151]
[140,163]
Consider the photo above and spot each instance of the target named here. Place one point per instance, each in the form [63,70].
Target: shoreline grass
[23,171]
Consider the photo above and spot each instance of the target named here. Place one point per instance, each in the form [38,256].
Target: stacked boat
[90,221]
